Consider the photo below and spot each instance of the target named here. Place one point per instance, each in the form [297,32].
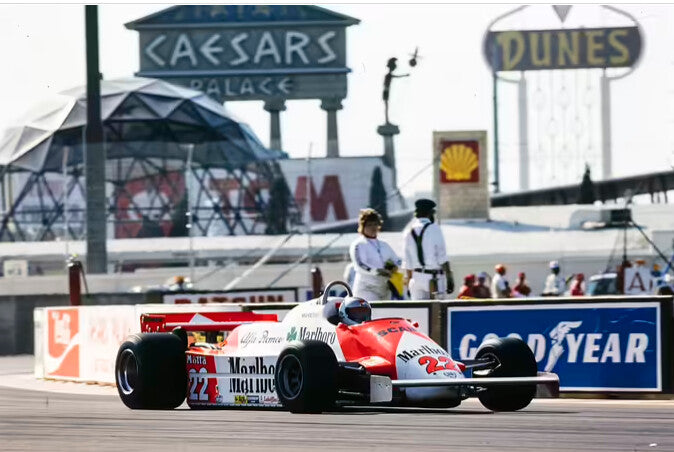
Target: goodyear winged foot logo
[557,335]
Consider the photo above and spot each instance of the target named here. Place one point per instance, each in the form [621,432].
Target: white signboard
[248,296]
[338,188]
[15,268]
[638,281]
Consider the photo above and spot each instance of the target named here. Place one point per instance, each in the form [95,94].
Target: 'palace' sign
[562,49]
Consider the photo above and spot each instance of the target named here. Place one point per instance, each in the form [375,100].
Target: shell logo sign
[459,162]
[63,343]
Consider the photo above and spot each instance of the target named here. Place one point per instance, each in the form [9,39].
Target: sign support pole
[94,154]
[496,171]
[523,132]
[605,126]
[331,106]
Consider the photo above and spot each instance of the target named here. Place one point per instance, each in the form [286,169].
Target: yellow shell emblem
[458,162]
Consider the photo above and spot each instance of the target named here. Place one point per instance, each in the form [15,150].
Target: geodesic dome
[151,129]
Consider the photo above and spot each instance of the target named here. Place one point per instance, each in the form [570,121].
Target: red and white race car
[310,362]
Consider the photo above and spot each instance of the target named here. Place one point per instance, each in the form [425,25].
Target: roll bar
[324,298]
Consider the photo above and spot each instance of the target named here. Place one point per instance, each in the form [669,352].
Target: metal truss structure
[175,161]
[654,184]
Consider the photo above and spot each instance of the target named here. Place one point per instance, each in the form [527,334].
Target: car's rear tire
[150,371]
[306,377]
[514,359]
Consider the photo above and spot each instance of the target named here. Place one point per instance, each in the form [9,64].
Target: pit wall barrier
[16,315]
[16,311]
[606,345]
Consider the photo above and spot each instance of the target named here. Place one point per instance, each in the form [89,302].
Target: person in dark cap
[427,269]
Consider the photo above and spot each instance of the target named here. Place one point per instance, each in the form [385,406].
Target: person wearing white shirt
[373,260]
[555,284]
[499,284]
[426,264]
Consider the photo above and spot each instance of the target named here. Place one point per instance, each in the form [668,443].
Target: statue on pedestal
[387,84]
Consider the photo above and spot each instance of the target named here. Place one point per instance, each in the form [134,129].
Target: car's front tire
[306,377]
[513,358]
[150,371]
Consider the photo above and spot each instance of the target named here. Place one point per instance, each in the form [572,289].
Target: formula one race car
[312,362]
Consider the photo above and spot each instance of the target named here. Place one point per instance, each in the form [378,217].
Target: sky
[42,48]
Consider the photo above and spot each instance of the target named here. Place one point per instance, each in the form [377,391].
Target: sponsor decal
[396,329]
[592,346]
[254,399]
[103,330]
[63,349]
[407,355]
[292,334]
[257,382]
[196,359]
[256,337]
[311,334]
[270,400]
[240,399]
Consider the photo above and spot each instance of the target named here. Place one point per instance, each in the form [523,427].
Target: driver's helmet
[354,310]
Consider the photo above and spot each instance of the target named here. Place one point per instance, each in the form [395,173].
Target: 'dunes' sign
[527,50]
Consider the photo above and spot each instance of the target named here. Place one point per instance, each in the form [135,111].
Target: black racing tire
[515,359]
[306,377]
[150,371]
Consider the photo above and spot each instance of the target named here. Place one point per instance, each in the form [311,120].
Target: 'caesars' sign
[242,52]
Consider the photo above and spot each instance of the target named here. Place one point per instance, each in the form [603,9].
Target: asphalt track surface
[72,417]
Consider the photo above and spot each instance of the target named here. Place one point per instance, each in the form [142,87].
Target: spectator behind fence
[578,286]
[467,290]
[481,289]
[373,260]
[499,284]
[555,284]
[521,288]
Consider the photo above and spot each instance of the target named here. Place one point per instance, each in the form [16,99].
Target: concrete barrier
[596,345]
[80,343]
[16,315]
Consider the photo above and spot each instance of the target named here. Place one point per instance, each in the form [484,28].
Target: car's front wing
[381,388]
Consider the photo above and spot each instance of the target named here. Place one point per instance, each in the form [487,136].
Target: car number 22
[199,384]
[435,365]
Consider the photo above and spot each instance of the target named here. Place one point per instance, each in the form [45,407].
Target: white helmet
[553,265]
[354,311]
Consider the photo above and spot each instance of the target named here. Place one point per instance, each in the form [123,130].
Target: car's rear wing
[200,321]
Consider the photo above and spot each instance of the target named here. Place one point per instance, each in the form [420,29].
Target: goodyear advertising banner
[591,346]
